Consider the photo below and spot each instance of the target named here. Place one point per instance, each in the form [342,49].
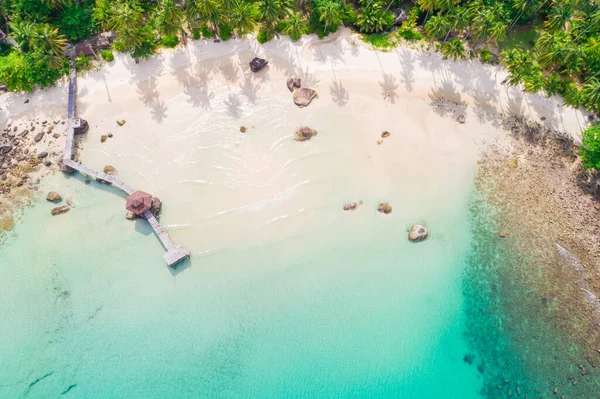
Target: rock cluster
[293,83]
[304,96]
[385,208]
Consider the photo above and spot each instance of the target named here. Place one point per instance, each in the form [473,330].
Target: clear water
[350,310]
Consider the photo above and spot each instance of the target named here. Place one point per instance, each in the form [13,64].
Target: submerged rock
[503,233]
[417,233]
[60,209]
[82,128]
[65,168]
[257,64]
[384,207]
[110,170]
[53,196]
[38,137]
[305,133]
[42,155]
[293,83]
[350,206]
[303,97]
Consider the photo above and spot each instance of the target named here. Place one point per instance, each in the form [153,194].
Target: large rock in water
[257,64]
[293,83]
[155,207]
[417,233]
[303,97]
[305,133]
[53,196]
[384,207]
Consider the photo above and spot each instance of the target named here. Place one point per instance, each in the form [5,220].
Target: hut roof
[139,202]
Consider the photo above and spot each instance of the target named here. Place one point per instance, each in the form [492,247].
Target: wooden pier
[175,253]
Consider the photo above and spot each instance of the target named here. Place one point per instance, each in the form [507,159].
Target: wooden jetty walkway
[175,253]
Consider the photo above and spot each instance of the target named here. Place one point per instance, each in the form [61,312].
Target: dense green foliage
[107,55]
[547,45]
[590,147]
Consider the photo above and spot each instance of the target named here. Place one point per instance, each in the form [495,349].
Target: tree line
[565,58]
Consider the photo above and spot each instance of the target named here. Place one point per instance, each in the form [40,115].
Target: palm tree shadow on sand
[389,88]
[339,94]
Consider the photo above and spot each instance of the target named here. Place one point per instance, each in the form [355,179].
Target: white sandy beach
[184,109]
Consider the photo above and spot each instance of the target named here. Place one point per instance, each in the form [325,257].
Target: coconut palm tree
[169,18]
[437,27]
[211,11]
[453,49]
[330,13]
[103,13]
[243,17]
[49,43]
[269,11]
[590,94]
[57,3]
[22,32]
[125,16]
[374,19]
[295,26]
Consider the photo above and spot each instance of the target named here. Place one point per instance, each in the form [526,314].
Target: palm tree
[437,26]
[169,18]
[590,94]
[125,16]
[56,3]
[49,43]
[331,14]
[243,17]
[270,11]
[23,33]
[295,26]
[103,13]
[453,49]
[371,19]
[211,11]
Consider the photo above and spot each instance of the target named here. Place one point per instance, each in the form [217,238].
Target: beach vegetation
[590,147]
[454,49]
[196,33]
[207,33]
[383,42]
[373,18]
[107,55]
[295,26]
[169,41]
[225,31]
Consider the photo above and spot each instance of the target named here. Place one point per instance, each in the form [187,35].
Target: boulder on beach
[293,83]
[461,119]
[53,196]
[304,96]
[156,206]
[110,170]
[257,64]
[130,215]
[60,209]
[384,207]
[417,233]
[243,129]
[385,134]
[65,168]
[305,133]
[103,138]
[5,146]
[121,122]
[81,126]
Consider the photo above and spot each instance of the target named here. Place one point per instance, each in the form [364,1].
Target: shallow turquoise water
[91,311]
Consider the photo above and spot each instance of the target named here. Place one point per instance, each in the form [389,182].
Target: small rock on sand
[305,133]
[384,207]
[60,209]
[243,129]
[103,138]
[53,196]
[69,201]
[257,64]
[42,155]
[110,170]
[110,135]
[461,119]
[417,233]
[38,137]
[385,134]
[121,122]
[303,97]
[293,83]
